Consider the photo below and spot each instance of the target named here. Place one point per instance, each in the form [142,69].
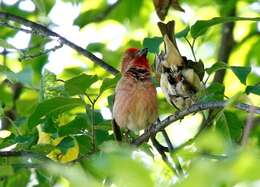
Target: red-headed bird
[135,104]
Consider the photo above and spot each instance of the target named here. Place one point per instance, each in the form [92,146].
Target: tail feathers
[169,30]
[116,130]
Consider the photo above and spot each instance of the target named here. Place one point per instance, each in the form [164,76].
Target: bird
[180,78]
[162,7]
[135,102]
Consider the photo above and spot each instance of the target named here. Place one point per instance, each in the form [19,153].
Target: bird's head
[134,57]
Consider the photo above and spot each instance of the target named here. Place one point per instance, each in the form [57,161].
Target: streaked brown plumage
[135,104]
[180,79]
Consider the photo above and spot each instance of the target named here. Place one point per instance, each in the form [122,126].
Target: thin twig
[45,52]
[93,126]
[156,127]
[163,155]
[93,102]
[248,127]
[42,30]
[6,24]
[171,151]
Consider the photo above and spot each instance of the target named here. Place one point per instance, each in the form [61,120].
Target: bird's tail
[169,30]
[116,130]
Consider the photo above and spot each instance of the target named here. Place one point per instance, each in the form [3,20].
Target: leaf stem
[192,47]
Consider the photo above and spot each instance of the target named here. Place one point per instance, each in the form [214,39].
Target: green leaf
[235,125]
[21,177]
[109,83]
[25,76]
[40,6]
[96,46]
[88,17]
[50,87]
[74,127]
[51,107]
[216,67]
[6,45]
[42,148]
[201,26]
[66,144]
[6,96]
[126,10]
[153,44]
[214,92]
[50,126]
[253,89]
[44,178]
[183,33]
[79,84]
[5,142]
[241,72]
[85,144]
[6,170]
[110,164]
[211,142]
[10,75]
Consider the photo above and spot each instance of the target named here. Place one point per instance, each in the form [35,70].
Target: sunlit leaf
[183,33]
[79,84]
[109,83]
[50,87]
[215,67]
[51,107]
[10,75]
[201,26]
[95,46]
[76,126]
[127,9]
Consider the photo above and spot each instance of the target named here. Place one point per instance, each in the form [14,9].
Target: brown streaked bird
[180,79]
[135,104]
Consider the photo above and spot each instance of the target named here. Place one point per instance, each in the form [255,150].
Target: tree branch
[227,44]
[156,127]
[42,30]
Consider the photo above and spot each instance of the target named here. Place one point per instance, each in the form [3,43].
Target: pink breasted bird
[135,104]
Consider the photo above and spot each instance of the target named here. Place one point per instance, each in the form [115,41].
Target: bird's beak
[142,52]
